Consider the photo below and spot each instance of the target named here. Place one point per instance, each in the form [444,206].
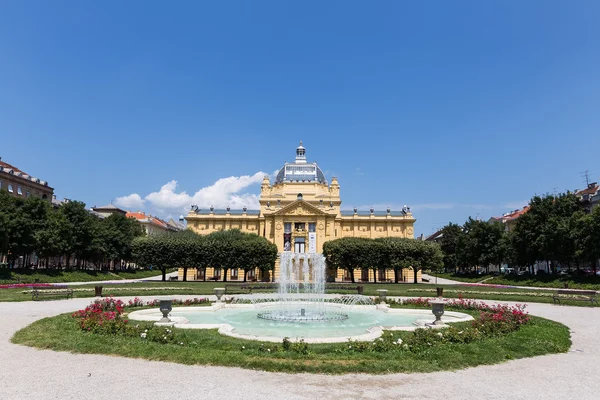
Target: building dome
[300,170]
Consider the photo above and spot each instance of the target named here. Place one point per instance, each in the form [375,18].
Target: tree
[425,255]
[344,253]
[116,233]
[51,239]
[30,215]
[78,230]
[396,254]
[586,236]
[7,211]
[449,244]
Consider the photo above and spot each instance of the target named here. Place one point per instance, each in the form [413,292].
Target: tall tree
[449,244]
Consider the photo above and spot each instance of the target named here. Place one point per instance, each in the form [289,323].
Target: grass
[207,347]
[545,281]
[207,288]
[20,275]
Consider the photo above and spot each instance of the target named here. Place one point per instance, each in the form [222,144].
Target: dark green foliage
[222,249]
[382,254]
[32,226]
[555,229]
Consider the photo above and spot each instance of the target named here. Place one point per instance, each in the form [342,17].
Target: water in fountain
[301,295]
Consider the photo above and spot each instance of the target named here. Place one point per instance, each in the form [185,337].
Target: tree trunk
[164,274]
[375,275]
[395,276]
[352,275]
[185,274]
[245,275]
[225,274]
[415,274]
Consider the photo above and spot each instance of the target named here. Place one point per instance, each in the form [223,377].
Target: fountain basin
[364,322]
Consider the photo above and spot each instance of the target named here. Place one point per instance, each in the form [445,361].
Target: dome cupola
[300,170]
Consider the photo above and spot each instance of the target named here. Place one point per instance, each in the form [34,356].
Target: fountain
[300,309]
[301,294]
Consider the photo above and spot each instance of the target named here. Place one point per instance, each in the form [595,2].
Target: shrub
[137,302]
[102,316]
[493,321]
[300,346]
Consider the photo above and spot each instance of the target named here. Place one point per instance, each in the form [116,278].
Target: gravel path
[27,373]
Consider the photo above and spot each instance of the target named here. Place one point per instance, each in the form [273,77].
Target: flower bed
[24,285]
[538,293]
[106,316]
[114,289]
[493,321]
[137,302]
[498,334]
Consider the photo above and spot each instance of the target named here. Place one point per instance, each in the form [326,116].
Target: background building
[20,184]
[299,212]
[152,225]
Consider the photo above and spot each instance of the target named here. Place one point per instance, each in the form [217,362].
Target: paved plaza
[27,373]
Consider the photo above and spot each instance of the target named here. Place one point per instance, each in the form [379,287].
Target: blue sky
[454,108]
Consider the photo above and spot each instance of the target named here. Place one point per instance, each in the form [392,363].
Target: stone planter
[98,291]
[219,291]
[437,308]
[382,295]
[440,292]
[165,308]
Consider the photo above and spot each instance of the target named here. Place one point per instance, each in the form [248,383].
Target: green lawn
[207,347]
[207,288]
[12,276]
[549,281]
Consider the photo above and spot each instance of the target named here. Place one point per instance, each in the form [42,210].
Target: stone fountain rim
[371,334]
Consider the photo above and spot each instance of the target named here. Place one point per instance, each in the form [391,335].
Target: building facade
[151,225]
[22,185]
[299,212]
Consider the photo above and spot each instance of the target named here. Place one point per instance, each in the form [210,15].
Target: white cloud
[133,202]
[166,198]
[224,192]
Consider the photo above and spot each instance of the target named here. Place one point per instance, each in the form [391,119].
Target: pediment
[300,207]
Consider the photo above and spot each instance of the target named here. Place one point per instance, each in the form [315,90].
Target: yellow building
[299,212]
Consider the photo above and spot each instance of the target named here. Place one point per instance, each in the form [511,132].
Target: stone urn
[440,291]
[165,308]
[382,295]
[219,291]
[437,308]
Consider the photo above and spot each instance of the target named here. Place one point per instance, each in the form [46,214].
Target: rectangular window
[312,227]
[287,227]
[299,226]
[19,190]
[234,273]
[217,273]
[10,188]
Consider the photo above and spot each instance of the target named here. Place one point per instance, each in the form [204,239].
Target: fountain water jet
[301,295]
